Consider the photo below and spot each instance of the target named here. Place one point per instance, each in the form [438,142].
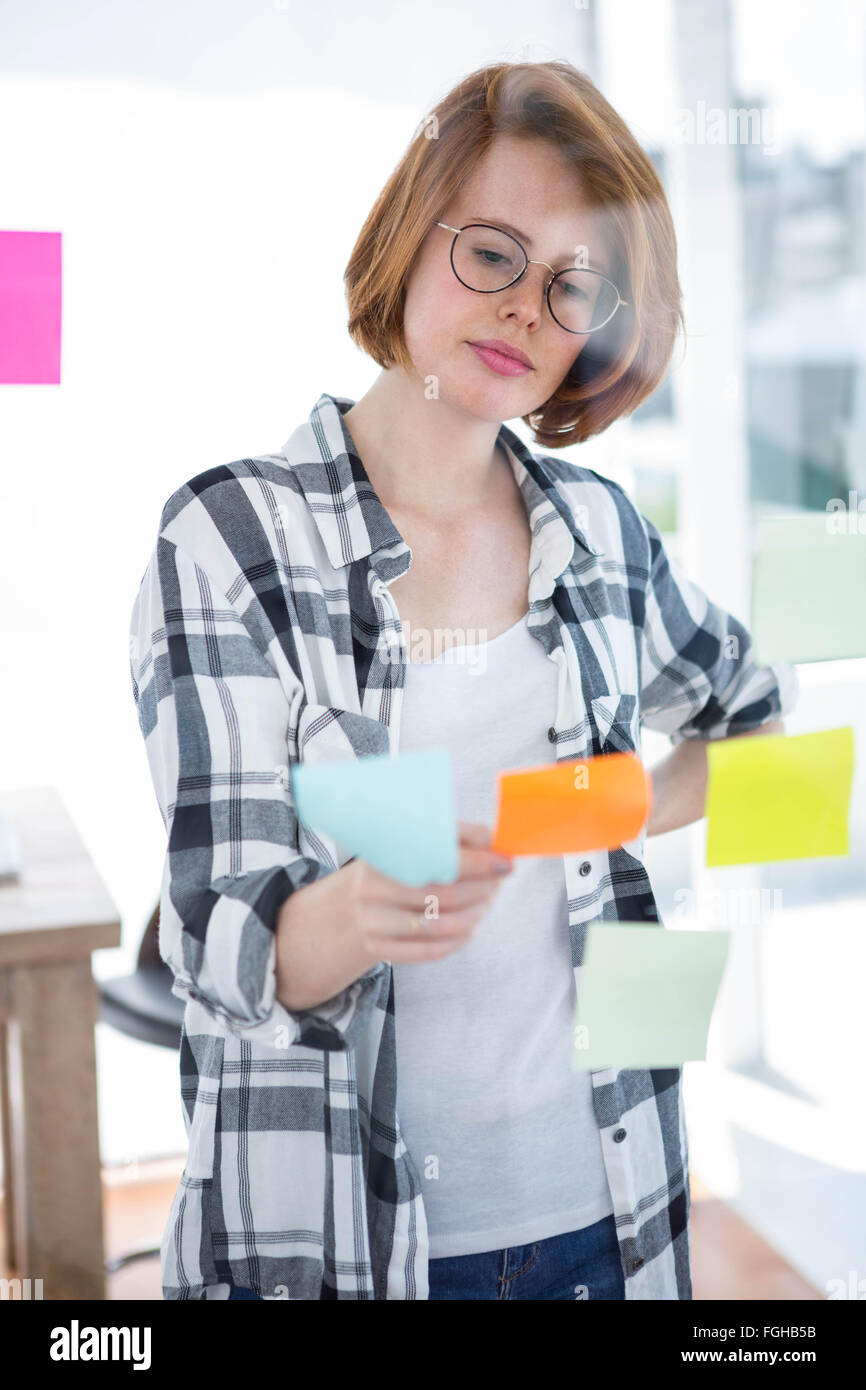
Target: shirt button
[585,868]
[635,1265]
[617,1139]
[551,734]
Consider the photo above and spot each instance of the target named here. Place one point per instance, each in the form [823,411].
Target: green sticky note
[777,797]
[646,997]
[808,582]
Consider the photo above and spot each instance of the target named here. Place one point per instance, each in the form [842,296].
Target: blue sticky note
[397,813]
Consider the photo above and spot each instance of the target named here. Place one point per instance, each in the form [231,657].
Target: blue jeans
[581,1265]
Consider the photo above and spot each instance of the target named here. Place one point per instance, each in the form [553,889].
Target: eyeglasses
[487,260]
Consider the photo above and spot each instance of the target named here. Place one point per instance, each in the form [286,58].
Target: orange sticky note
[563,808]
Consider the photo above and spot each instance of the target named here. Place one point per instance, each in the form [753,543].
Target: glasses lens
[487,259]
[582,301]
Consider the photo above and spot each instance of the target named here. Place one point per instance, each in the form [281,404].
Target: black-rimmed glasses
[487,260]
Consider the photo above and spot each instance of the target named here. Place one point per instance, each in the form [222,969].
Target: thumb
[474,833]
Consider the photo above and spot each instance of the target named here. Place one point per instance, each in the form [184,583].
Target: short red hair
[619,365]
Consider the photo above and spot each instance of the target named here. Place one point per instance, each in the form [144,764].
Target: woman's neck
[420,454]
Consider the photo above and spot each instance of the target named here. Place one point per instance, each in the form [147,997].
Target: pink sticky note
[29,307]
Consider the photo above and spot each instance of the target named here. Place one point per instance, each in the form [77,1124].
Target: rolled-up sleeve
[699,675]
[215,715]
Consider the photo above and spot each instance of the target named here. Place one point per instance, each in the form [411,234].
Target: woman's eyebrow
[527,240]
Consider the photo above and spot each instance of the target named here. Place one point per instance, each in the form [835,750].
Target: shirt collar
[352,521]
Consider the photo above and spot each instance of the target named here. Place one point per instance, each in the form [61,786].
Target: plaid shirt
[264,633]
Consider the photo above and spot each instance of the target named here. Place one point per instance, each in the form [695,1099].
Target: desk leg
[51,1060]
[8,1162]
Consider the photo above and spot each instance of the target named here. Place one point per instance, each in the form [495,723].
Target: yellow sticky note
[779,797]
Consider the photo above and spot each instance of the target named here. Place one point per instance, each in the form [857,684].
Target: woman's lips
[498,362]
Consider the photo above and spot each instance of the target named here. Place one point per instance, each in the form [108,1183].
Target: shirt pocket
[331,734]
[616,719]
[328,733]
[617,730]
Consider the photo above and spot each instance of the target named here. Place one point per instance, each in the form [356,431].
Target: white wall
[209,166]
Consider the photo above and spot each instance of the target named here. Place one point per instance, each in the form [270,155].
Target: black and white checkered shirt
[264,633]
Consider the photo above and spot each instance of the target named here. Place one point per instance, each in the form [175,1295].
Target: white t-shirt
[500,1127]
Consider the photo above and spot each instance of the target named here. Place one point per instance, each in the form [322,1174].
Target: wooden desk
[51,918]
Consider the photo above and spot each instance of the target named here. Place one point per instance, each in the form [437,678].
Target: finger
[474,867]
[442,897]
[483,863]
[473,833]
[393,922]
[477,858]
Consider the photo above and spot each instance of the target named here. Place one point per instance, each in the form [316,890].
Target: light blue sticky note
[396,813]
[646,995]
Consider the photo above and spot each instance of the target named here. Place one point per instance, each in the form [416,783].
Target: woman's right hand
[381,909]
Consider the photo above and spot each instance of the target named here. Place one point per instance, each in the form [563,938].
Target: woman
[376,1079]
